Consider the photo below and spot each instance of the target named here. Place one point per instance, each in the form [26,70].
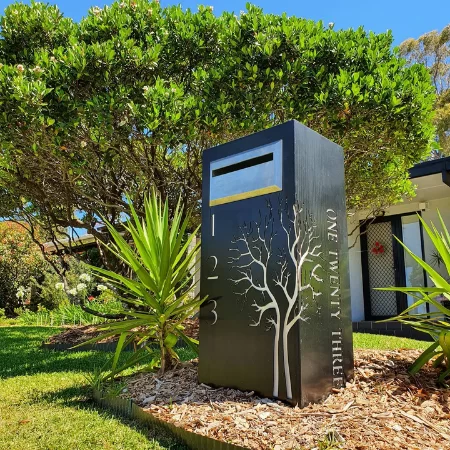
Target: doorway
[386,264]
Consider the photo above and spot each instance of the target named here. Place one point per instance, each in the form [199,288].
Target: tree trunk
[287,370]
[166,360]
[276,351]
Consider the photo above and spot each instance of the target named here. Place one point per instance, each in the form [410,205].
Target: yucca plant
[157,294]
[436,323]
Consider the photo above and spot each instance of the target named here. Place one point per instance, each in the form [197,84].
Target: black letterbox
[274,265]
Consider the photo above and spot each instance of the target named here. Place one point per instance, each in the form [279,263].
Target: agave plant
[436,323]
[157,295]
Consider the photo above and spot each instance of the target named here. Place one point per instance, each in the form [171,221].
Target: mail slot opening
[243,164]
[246,174]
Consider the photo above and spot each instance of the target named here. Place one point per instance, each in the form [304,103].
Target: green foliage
[128,98]
[20,262]
[436,323]
[66,314]
[158,293]
[28,280]
[332,441]
[48,295]
[95,379]
[433,50]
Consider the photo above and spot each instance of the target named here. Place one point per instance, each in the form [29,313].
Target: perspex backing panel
[275,266]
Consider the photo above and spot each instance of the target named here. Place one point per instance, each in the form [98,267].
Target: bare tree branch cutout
[296,283]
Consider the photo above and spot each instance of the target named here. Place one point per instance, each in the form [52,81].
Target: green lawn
[44,401]
[377,341]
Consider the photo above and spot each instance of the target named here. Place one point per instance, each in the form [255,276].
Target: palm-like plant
[435,323]
[158,295]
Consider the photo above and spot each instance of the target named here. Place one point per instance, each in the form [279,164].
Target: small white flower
[145,88]
[96,10]
[15,12]
[102,287]
[122,5]
[72,291]
[83,144]
[81,287]
[331,25]
[20,292]
[20,67]
[52,59]
[1,65]
[85,277]
[59,286]
[38,69]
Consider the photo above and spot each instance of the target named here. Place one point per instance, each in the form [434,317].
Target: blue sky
[406,18]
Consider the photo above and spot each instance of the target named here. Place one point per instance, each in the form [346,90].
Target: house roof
[432,167]
[77,243]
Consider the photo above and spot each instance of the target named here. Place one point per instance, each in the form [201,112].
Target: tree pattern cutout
[301,259]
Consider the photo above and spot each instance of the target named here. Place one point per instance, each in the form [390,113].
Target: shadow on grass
[80,398]
[20,354]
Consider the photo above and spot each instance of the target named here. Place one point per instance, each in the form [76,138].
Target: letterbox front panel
[247,174]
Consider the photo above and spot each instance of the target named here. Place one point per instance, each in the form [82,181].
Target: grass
[44,401]
[380,342]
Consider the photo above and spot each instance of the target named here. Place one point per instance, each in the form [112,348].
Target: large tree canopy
[433,50]
[130,97]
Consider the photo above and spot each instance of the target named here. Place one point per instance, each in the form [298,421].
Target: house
[376,259]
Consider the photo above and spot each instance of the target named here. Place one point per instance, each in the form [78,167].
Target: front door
[385,264]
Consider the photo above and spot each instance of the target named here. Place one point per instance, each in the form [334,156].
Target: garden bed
[78,334]
[383,408]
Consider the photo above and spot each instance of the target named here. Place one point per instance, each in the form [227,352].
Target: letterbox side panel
[320,191]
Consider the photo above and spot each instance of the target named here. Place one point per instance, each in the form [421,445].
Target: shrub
[437,323]
[157,295]
[20,261]
[136,91]
[47,293]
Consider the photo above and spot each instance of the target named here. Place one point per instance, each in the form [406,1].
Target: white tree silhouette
[255,253]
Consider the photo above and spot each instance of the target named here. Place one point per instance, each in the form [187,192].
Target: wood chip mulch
[78,334]
[382,408]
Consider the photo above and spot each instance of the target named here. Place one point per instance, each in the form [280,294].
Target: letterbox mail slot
[248,174]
